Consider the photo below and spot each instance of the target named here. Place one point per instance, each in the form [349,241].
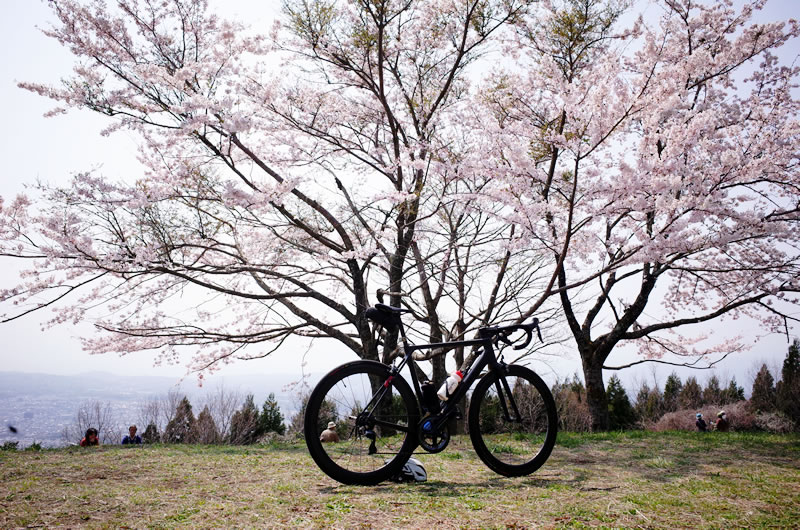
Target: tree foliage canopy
[245,423]
[763,395]
[636,179]
[788,388]
[271,418]
[181,427]
[620,410]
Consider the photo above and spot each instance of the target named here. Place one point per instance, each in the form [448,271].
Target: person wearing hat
[329,434]
[722,422]
[700,423]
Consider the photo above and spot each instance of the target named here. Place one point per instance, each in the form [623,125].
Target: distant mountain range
[39,406]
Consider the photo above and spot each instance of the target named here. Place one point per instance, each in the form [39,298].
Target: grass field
[635,479]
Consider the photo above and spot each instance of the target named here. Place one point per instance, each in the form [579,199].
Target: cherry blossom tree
[288,178]
[481,157]
[659,164]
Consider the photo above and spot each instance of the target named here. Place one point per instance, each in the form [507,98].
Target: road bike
[375,420]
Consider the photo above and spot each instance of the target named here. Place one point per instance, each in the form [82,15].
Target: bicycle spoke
[367,439]
[519,442]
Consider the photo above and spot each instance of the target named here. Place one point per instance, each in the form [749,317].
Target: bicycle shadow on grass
[445,488]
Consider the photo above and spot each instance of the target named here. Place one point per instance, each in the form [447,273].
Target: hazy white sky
[53,149]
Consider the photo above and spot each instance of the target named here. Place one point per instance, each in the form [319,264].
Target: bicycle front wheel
[360,423]
[513,441]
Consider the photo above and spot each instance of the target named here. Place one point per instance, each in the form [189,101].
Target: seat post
[402,332]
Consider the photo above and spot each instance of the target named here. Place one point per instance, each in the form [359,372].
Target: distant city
[40,406]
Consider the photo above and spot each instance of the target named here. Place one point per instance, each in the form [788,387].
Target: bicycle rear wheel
[375,419]
[520,446]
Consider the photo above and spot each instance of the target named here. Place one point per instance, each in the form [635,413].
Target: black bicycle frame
[486,358]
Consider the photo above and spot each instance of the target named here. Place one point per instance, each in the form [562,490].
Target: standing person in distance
[701,423]
[722,424]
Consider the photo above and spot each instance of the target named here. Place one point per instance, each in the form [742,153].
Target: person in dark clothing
[132,437]
[90,438]
[701,423]
[723,425]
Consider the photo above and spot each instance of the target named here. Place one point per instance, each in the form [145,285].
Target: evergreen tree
[763,396]
[327,414]
[733,393]
[573,411]
[712,393]
[576,387]
[179,429]
[271,419]
[205,429]
[244,424]
[620,411]
[151,435]
[649,403]
[691,396]
[788,389]
[641,398]
[672,391]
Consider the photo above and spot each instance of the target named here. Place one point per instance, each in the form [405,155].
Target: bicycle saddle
[385,315]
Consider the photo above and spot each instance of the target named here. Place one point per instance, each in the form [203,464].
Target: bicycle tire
[339,397]
[513,449]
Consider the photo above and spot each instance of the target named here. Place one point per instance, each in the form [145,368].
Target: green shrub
[34,446]
[9,446]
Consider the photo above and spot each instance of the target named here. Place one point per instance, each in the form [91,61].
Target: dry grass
[617,480]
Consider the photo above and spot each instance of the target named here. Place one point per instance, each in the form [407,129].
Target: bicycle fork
[504,390]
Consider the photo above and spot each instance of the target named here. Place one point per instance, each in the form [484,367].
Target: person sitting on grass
[90,438]
[723,425]
[132,437]
[700,423]
[329,434]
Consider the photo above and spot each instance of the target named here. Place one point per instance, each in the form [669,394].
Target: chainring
[433,441]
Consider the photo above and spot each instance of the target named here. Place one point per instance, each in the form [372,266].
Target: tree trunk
[595,392]
[368,343]
[439,371]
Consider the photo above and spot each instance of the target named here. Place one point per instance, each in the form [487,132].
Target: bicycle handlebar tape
[527,338]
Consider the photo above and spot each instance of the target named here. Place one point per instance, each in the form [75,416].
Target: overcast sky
[53,149]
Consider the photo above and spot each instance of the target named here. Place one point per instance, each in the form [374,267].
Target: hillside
[39,406]
[632,479]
